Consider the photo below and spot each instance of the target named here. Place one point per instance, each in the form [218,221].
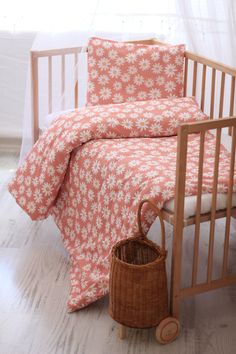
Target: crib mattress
[190,204]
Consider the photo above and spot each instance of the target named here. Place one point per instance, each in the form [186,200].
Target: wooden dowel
[185,77]
[76,81]
[63,82]
[232,95]
[203,87]
[222,93]
[50,84]
[213,207]
[35,98]
[213,80]
[229,205]
[181,161]
[194,79]
[198,209]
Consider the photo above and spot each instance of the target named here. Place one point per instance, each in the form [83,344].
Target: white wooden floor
[34,286]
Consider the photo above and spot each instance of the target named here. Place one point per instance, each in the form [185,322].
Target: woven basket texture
[138,295]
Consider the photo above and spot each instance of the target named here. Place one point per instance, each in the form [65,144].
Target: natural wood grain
[213,206]
[213,80]
[194,86]
[198,210]
[203,87]
[76,80]
[49,84]
[185,76]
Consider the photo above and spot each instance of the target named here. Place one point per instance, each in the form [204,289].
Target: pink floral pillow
[120,72]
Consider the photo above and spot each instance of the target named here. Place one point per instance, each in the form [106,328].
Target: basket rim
[148,242]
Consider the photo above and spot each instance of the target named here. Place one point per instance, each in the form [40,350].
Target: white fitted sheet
[190,204]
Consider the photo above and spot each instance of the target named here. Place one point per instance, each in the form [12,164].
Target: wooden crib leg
[121,331]
[175,307]
[178,221]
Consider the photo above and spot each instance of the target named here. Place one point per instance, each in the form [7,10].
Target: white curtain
[207,27]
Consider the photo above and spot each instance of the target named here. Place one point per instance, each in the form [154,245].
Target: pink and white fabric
[91,169]
[124,72]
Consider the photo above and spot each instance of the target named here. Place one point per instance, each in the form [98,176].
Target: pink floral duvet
[91,169]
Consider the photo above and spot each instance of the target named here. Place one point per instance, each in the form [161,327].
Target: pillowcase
[120,72]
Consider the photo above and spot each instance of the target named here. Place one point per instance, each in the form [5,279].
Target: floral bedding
[91,169]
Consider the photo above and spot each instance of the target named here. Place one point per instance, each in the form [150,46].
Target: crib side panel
[216,269]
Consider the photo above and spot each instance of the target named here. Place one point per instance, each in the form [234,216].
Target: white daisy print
[149,83]
[114,72]
[155,56]
[142,95]
[105,93]
[170,86]
[160,80]
[157,68]
[119,61]
[94,74]
[100,52]
[125,77]
[132,70]
[104,64]
[131,58]
[170,70]
[112,54]
[117,86]
[138,80]
[166,58]
[130,89]
[144,64]
[118,98]
[154,94]
[103,80]
[91,86]
[141,123]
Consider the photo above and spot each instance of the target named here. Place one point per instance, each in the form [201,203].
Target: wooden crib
[201,76]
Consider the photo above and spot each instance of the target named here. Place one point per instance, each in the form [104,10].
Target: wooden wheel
[167,330]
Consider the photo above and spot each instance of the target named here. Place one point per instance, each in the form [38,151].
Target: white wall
[14,60]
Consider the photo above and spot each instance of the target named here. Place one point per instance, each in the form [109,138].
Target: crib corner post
[181,161]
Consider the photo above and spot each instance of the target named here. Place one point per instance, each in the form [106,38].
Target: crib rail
[225,279]
[35,80]
[201,76]
[222,101]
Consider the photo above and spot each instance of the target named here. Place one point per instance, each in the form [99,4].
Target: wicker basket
[138,283]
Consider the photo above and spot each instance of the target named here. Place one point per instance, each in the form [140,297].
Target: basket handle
[158,212]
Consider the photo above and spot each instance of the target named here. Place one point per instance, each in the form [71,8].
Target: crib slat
[185,77]
[194,79]
[63,81]
[229,205]
[213,80]
[76,81]
[50,84]
[213,207]
[198,209]
[222,92]
[35,96]
[232,95]
[203,87]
